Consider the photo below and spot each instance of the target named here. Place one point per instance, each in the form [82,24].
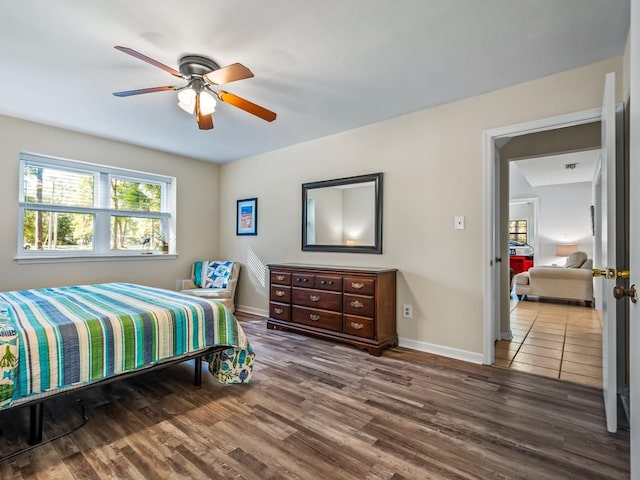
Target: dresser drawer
[281,311]
[329,282]
[359,285]
[280,293]
[317,299]
[359,326]
[303,280]
[318,318]
[280,278]
[359,305]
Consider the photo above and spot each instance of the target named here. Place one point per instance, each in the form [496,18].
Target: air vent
[570,166]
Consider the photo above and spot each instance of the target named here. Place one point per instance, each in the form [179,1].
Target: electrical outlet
[407,310]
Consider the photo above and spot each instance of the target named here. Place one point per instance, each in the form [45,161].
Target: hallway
[555,340]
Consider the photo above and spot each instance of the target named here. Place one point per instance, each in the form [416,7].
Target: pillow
[575,260]
[215,274]
[588,265]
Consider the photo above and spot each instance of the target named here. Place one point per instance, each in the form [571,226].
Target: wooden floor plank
[321,410]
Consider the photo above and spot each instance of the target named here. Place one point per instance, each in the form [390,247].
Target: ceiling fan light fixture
[207,103]
[190,109]
[187,101]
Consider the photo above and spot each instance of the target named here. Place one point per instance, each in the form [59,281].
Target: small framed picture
[247,217]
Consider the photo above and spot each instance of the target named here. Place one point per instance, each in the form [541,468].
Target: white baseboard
[252,310]
[449,352]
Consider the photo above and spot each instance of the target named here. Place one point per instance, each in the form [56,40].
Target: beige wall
[433,170]
[197,200]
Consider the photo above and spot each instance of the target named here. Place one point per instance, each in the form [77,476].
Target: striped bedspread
[53,338]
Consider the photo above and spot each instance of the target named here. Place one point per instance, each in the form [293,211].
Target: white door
[606,254]
[634,240]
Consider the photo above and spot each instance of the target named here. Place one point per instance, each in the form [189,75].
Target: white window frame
[101,210]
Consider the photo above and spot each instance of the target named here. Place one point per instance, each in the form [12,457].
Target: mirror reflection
[343,214]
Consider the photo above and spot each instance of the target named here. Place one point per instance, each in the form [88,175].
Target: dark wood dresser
[348,304]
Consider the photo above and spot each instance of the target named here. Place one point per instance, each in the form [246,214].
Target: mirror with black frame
[343,215]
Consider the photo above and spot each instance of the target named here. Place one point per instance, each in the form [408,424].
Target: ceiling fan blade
[128,93]
[230,73]
[144,58]
[205,122]
[246,105]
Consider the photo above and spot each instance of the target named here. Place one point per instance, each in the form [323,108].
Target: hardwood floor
[321,410]
[554,339]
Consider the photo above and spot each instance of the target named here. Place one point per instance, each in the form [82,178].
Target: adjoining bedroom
[282,241]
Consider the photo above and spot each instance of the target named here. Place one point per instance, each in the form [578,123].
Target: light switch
[459,222]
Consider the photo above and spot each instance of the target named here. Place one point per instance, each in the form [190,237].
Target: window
[518,231]
[71,208]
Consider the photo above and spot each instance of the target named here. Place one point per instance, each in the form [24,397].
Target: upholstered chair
[573,281]
[214,280]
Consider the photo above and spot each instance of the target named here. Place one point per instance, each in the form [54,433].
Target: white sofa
[225,295]
[574,281]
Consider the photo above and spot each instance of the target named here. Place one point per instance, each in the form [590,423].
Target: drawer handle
[302,280]
[279,293]
[279,277]
[330,282]
[357,286]
[357,326]
[314,298]
[357,304]
[314,317]
[278,310]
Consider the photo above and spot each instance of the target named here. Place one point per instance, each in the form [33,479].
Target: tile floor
[554,339]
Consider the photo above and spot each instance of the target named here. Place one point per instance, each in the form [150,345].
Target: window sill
[66,258]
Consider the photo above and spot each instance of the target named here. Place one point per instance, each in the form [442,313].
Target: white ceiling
[552,169]
[324,67]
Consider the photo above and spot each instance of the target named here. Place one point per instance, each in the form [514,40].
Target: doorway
[551,336]
[497,308]
[496,187]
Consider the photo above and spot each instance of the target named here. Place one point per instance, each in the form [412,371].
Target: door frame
[492,205]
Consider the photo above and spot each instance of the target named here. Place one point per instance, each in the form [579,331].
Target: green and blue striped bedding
[53,338]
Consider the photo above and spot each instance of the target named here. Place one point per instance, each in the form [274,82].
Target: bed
[55,340]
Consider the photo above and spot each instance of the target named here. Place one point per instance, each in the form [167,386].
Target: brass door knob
[621,292]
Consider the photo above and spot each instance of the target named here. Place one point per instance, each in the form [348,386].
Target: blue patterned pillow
[212,274]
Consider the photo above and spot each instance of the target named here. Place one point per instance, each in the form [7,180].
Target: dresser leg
[375,351]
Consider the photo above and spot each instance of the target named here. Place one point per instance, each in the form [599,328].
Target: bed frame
[36,407]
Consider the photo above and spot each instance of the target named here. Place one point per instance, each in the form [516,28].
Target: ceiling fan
[197,96]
